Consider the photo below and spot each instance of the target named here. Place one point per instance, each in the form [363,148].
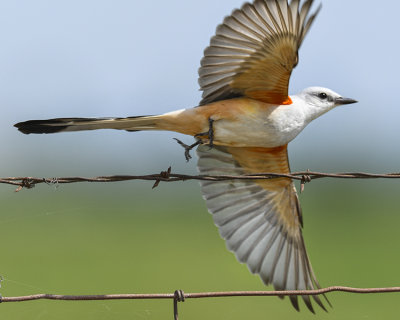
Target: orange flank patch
[270,97]
[288,101]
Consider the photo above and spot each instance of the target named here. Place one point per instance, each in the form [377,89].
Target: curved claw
[188,148]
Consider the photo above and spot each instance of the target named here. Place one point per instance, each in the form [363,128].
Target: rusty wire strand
[198,295]
[180,296]
[168,176]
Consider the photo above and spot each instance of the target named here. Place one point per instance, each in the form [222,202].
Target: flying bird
[243,125]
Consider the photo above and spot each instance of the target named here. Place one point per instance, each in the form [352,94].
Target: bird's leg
[188,148]
[198,136]
[210,133]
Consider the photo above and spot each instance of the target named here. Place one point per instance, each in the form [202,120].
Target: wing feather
[254,51]
[260,220]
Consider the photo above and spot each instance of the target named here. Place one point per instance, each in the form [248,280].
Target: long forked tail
[79,124]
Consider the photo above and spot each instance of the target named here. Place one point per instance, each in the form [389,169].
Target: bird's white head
[320,100]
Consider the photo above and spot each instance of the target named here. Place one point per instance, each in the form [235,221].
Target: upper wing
[259,219]
[254,51]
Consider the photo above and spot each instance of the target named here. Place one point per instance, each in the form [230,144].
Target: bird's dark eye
[322,96]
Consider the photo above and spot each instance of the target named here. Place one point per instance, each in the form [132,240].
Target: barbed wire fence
[167,176]
[180,296]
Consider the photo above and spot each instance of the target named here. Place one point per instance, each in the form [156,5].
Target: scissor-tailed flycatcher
[248,117]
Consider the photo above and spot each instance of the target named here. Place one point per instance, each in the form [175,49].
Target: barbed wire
[180,296]
[167,176]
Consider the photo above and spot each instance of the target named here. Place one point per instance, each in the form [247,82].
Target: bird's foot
[188,148]
[199,137]
[209,134]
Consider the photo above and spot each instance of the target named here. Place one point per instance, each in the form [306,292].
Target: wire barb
[51,182]
[304,179]
[27,183]
[179,296]
[163,174]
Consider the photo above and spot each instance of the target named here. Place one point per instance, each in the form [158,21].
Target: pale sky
[125,58]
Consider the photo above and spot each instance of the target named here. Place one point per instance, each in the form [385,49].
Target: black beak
[341,100]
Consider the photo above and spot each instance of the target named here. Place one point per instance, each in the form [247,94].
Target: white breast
[277,127]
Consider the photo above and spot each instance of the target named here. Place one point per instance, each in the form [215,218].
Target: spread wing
[259,219]
[254,51]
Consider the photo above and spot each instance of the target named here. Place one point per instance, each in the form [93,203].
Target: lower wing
[259,219]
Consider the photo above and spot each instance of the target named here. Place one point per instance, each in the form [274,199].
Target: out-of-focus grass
[125,238]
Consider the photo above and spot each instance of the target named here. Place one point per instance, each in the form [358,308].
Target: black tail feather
[78,124]
[48,126]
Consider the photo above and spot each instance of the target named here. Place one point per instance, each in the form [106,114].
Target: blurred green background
[125,58]
[125,238]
